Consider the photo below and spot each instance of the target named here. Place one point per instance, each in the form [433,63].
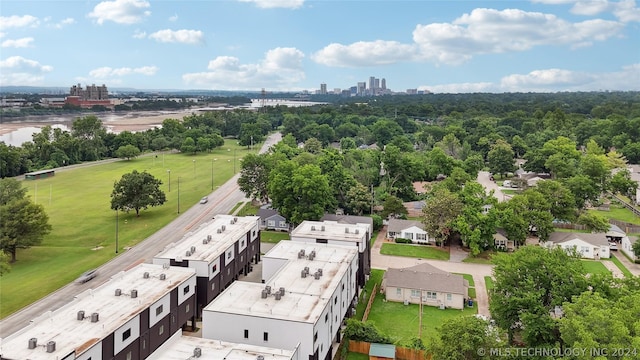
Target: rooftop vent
[322,228]
[263,294]
[51,346]
[165,266]
[208,238]
[316,275]
[134,293]
[303,274]
[312,254]
[80,315]
[268,288]
[205,241]
[357,231]
[223,228]
[118,292]
[346,230]
[95,317]
[33,342]
[260,357]
[281,291]
[301,254]
[313,228]
[145,275]
[320,271]
[163,276]
[219,231]
[197,352]
[193,249]
[278,296]
[187,253]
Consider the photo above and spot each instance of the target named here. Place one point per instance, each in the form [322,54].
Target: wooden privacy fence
[363,347]
[372,297]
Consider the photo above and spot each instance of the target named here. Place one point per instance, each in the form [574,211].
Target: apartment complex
[127,318]
[357,235]
[219,251]
[307,291]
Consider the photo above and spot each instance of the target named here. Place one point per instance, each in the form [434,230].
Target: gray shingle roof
[593,239]
[396,225]
[426,277]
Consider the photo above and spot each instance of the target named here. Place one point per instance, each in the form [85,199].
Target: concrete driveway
[484,178]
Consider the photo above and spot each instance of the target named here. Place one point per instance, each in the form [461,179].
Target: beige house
[425,284]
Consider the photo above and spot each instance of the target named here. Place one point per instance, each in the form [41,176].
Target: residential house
[308,291]
[408,229]
[421,187]
[626,246]
[502,242]
[414,208]
[590,246]
[128,317]
[427,285]
[635,176]
[220,250]
[270,219]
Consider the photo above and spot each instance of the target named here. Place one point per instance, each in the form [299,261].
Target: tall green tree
[529,284]
[441,209]
[127,152]
[137,191]
[501,158]
[465,338]
[22,223]
[254,176]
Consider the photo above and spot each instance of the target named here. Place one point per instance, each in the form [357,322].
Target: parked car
[204,200]
[613,246]
[87,275]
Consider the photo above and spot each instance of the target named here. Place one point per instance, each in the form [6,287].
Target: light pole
[116,230]
[234,161]
[169,172]
[178,194]
[211,174]
[194,168]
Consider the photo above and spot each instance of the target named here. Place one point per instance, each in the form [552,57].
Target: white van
[506,183]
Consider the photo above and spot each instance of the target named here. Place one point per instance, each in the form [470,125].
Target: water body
[24,134]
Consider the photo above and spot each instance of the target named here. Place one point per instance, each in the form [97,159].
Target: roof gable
[397,225]
[426,277]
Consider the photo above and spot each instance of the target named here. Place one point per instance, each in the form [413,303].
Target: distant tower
[362,87]
[323,89]
[383,84]
[372,85]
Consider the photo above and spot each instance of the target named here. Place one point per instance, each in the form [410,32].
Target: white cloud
[173,18]
[108,72]
[63,23]
[365,54]
[14,21]
[178,36]
[138,34]
[121,11]
[271,4]
[281,68]
[624,10]
[551,80]
[17,43]
[17,70]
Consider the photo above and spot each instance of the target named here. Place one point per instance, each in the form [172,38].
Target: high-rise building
[323,89]
[383,84]
[362,88]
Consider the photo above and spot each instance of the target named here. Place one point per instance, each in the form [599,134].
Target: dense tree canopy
[137,191]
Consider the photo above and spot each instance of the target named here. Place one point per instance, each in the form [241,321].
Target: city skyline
[297,45]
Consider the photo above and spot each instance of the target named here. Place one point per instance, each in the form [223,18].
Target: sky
[446,46]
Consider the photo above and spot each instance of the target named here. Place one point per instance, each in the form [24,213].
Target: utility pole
[178,194]
[116,230]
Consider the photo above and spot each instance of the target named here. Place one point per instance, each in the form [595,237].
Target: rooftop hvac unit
[306,268]
[357,231]
[312,254]
[303,274]
[197,352]
[281,291]
[51,346]
[263,294]
[80,315]
[219,231]
[205,241]
[118,292]
[278,295]
[268,289]
[322,228]
[163,276]
[193,249]
[313,228]
[223,228]
[320,271]
[346,230]
[165,266]
[145,275]
[301,254]
[33,342]
[316,275]
[134,293]
[187,253]
[95,317]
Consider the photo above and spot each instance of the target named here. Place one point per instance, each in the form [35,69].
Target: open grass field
[273,237]
[620,213]
[78,203]
[416,251]
[375,278]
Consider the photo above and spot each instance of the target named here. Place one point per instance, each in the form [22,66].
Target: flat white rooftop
[293,250]
[73,335]
[331,230]
[304,299]
[182,347]
[235,227]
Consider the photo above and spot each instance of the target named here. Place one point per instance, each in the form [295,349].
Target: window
[229,254]
[408,236]
[421,236]
[342,287]
[185,291]
[448,297]
[214,268]
[326,318]
[126,334]
[315,336]
[415,293]
[271,223]
[335,300]
[159,310]
[144,345]
[265,336]
[229,271]
[186,308]
[242,243]
[246,333]
[213,286]
[584,249]
[282,224]
[432,295]
[399,292]
[129,356]
[161,330]
[321,241]
[253,233]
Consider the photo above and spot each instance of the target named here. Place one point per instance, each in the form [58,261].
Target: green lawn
[273,237]
[488,281]
[248,210]
[594,267]
[620,213]
[357,356]
[375,278]
[83,236]
[401,322]
[482,258]
[416,251]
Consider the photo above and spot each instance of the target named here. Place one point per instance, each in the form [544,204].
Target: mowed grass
[594,267]
[273,237]
[416,251]
[78,202]
[620,213]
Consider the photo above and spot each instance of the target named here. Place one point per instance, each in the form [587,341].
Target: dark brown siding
[107,347]
[134,348]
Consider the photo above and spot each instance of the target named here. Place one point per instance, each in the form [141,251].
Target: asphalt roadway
[222,201]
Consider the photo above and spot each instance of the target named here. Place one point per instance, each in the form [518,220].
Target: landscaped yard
[273,237]
[482,258]
[472,285]
[620,265]
[401,322]
[620,213]
[594,267]
[374,278]
[416,251]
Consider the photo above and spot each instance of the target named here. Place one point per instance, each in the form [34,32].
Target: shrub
[402,241]
[365,331]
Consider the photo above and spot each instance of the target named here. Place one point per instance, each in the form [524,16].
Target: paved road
[484,178]
[222,200]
